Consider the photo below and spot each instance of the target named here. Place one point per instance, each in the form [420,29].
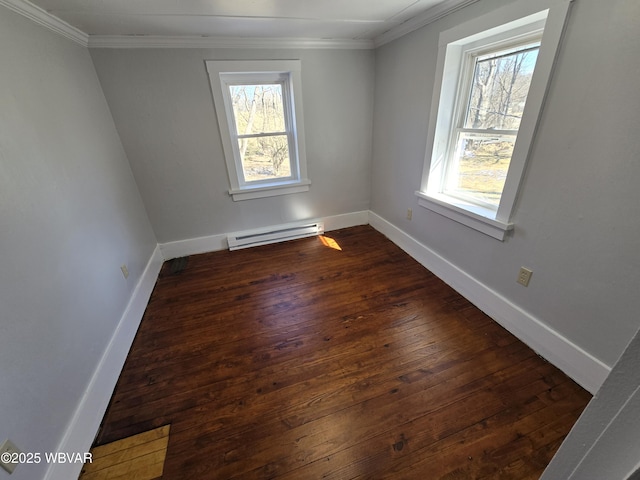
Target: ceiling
[317,19]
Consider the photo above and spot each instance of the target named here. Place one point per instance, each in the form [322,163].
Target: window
[487,126]
[492,77]
[259,110]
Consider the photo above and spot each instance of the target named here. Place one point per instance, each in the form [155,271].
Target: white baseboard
[86,420]
[193,246]
[337,222]
[582,367]
[214,243]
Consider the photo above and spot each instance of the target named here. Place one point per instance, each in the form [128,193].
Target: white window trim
[265,69]
[515,18]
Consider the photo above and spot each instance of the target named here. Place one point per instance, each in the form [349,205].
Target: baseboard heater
[279,233]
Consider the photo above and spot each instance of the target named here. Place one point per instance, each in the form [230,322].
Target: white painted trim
[45,19]
[86,420]
[543,75]
[346,220]
[299,186]
[578,364]
[465,215]
[414,23]
[193,246]
[161,41]
[214,243]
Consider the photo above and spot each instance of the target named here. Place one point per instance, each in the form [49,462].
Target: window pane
[499,89]
[265,158]
[257,108]
[480,165]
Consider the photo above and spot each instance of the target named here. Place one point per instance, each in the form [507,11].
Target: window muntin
[491,102]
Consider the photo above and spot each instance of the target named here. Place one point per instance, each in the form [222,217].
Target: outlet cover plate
[524,276]
[8,447]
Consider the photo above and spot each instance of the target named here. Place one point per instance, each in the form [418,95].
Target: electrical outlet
[409,213]
[125,271]
[7,451]
[524,275]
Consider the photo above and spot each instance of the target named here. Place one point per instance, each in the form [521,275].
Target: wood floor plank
[296,360]
[127,444]
[140,456]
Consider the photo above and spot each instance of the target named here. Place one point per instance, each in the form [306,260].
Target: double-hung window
[494,94]
[259,110]
[491,80]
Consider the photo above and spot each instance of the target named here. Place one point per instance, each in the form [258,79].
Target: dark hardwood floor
[302,361]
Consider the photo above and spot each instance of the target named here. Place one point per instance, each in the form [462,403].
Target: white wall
[577,222]
[162,106]
[70,215]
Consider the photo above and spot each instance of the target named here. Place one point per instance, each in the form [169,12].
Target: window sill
[250,193]
[478,218]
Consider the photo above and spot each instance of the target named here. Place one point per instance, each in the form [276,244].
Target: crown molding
[428,16]
[161,41]
[45,19]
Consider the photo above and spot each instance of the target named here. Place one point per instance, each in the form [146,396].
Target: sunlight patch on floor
[329,242]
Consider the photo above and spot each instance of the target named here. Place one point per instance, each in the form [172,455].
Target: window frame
[514,22]
[222,74]
[470,55]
